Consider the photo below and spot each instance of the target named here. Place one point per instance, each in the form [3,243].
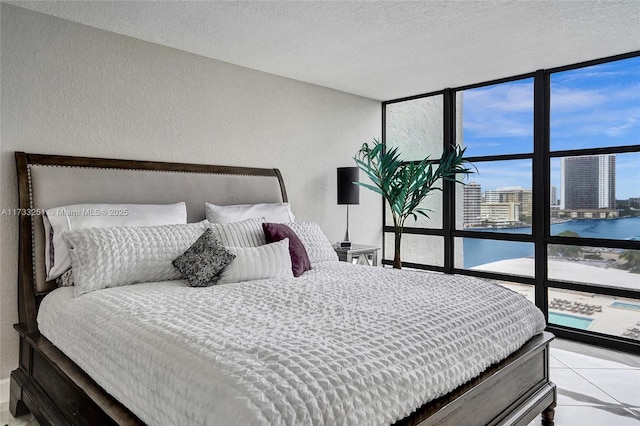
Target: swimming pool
[624,305]
[572,321]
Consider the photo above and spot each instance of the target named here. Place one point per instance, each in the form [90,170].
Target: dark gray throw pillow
[203,260]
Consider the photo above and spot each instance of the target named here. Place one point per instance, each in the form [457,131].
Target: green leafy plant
[404,185]
[632,260]
[570,252]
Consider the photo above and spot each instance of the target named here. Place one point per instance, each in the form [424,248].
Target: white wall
[74,90]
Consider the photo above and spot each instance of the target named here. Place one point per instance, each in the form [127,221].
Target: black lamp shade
[348,192]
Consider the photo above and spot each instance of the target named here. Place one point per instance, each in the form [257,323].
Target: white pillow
[79,216]
[248,233]
[257,263]
[111,257]
[318,247]
[272,212]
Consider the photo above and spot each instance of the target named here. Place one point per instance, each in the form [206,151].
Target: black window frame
[541,205]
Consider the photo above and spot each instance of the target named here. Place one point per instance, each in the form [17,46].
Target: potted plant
[405,184]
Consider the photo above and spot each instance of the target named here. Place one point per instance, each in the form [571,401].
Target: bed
[431,374]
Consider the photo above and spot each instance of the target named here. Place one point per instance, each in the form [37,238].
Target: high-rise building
[472,198]
[588,182]
[554,196]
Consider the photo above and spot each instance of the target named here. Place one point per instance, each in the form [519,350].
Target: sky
[592,107]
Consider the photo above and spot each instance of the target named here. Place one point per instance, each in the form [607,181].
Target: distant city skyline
[493,175]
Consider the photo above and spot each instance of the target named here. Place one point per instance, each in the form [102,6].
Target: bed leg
[549,414]
[17,407]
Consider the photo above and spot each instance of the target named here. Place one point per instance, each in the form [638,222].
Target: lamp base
[344,244]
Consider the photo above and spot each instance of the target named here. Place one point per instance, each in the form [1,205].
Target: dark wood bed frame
[52,387]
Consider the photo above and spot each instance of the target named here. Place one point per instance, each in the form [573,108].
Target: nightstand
[358,253]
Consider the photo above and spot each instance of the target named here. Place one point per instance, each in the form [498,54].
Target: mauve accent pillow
[274,232]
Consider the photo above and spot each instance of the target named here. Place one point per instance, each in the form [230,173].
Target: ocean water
[478,252]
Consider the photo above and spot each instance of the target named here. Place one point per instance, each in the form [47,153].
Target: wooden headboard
[47,181]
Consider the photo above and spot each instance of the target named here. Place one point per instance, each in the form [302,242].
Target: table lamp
[348,193]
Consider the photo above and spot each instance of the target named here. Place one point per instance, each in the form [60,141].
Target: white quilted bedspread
[341,345]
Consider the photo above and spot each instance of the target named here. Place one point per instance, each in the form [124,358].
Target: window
[498,198]
[554,209]
[497,130]
[595,171]
[416,128]
[497,119]
[503,257]
[595,106]
[587,188]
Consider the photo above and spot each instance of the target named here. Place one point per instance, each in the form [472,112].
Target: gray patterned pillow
[203,260]
[66,279]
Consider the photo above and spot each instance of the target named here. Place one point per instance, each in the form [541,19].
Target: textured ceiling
[380,50]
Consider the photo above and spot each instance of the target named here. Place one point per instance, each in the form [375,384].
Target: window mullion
[541,185]
[448,188]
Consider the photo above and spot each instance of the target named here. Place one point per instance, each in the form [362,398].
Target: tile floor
[7,419]
[596,387]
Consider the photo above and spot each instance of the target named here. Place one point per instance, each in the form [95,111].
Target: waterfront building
[588,182]
[513,194]
[471,199]
[585,214]
[500,213]
[554,196]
